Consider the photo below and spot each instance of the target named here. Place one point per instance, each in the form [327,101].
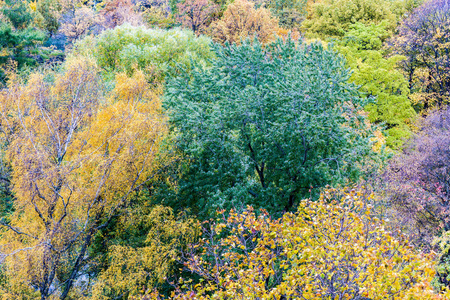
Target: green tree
[266,126]
[17,13]
[48,14]
[378,76]
[333,18]
[19,40]
[155,51]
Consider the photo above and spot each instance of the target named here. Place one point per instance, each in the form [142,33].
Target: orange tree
[241,20]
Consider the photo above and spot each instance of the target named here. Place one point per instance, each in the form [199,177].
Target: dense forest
[224,149]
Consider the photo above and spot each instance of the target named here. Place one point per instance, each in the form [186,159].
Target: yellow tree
[334,248]
[76,157]
[134,269]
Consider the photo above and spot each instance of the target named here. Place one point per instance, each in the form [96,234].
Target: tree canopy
[379,77]
[154,51]
[224,149]
[333,18]
[76,158]
[334,248]
[423,39]
[266,126]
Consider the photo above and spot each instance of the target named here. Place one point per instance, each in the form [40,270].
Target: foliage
[266,125]
[290,13]
[417,182]
[80,21]
[159,17]
[16,47]
[442,279]
[157,52]
[102,187]
[19,40]
[424,39]
[242,20]
[133,267]
[118,12]
[196,14]
[48,14]
[16,13]
[378,76]
[332,18]
[75,157]
[330,249]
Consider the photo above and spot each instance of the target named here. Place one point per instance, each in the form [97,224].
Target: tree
[266,126]
[19,39]
[423,39]
[146,260]
[79,22]
[154,51]
[159,16]
[289,13]
[331,18]
[48,15]
[379,77]
[418,182]
[118,12]
[334,248]
[196,14]
[16,13]
[76,158]
[241,20]
[417,186]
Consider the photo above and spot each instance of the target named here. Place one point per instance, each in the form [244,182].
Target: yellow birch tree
[76,155]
